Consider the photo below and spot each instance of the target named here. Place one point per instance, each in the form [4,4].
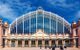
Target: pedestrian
[53,48]
[49,47]
[65,47]
[55,45]
[61,48]
[40,46]
[45,47]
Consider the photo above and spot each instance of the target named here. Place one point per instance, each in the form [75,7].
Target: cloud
[11,9]
[20,5]
[78,14]
[65,3]
[7,12]
[70,8]
[14,8]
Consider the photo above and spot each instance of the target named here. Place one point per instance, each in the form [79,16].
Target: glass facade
[40,19]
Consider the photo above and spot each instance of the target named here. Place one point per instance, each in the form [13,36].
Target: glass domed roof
[40,19]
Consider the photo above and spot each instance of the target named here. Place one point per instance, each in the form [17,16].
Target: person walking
[40,46]
[53,48]
[61,48]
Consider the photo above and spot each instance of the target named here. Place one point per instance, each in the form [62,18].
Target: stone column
[74,43]
[56,41]
[9,43]
[36,42]
[63,43]
[6,44]
[23,43]
[43,43]
[29,42]
[50,42]
[16,43]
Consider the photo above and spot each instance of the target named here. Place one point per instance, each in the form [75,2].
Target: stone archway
[33,44]
[12,43]
[46,42]
[59,42]
[39,42]
[19,43]
[26,43]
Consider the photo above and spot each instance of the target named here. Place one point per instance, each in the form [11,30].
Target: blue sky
[12,9]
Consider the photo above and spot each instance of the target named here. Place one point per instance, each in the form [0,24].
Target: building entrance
[53,42]
[46,42]
[13,43]
[67,43]
[33,43]
[26,43]
[19,43]
[39,42]
[60,43]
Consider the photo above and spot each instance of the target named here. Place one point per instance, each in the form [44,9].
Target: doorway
[39,43]
[46,42]
[19,43]
[60,43]
[33,43]
[53,43]
[26,43]
[13,43]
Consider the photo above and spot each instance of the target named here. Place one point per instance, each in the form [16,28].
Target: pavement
[33,48]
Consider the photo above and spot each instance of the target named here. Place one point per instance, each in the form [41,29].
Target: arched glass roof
[40,19]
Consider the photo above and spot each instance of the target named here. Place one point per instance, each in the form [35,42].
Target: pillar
[56,41]
[63,43]
[29,42]
[6,44]
[9,43]
[74,43]
[43,43]
[36,42]
[16,43]
[50,42]
[23,43]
